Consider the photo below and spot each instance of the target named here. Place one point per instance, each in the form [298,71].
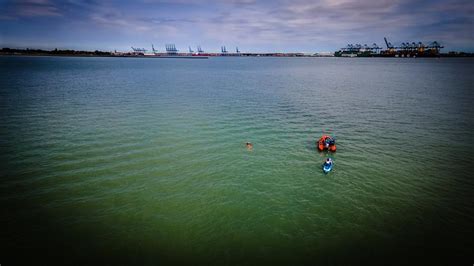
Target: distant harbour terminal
[405,49]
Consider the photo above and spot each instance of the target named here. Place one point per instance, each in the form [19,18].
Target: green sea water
[143,161]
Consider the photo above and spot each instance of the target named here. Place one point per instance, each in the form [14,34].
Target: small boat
[327,166]
[326,143]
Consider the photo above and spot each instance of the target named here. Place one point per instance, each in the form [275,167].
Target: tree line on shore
[10,51]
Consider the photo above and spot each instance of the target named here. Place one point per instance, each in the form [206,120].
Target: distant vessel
[138,51]
[348,55]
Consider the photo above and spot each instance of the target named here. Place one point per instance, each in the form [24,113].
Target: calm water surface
[143,160]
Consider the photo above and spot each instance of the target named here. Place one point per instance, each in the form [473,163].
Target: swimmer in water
[249,145]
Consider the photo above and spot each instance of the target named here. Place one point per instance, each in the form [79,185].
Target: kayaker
[327,142]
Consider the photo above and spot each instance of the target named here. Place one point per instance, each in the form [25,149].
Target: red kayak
[326,143]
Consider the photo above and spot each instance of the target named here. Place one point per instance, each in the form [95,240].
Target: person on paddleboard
[328,161]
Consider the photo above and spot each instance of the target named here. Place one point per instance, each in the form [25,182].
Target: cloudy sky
[254,26]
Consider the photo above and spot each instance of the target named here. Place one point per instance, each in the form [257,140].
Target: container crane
[155,52]
[390,47]
[223,50]
[171,49]
[139,50]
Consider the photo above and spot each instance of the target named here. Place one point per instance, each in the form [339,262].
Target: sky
[253,26]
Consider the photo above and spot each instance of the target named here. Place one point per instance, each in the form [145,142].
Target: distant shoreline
[73,53]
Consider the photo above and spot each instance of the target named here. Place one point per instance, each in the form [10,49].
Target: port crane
[435,46]
[376,48]
[389,44]
[171,49]
[359,48]
[413,49]
[139,50]
[155,52]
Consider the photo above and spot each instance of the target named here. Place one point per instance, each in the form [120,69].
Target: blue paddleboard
[328,167]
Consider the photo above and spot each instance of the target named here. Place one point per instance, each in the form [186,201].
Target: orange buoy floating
[326,143]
